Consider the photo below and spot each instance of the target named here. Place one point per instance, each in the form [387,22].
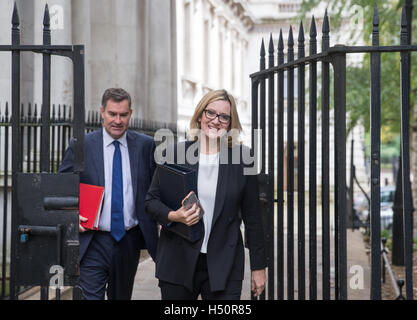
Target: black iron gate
[44,224]
[333,242]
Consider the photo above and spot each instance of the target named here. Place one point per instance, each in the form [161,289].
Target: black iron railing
[397,284]
[61,131]
[263,95]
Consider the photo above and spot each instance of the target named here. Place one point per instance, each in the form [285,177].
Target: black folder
[175,182]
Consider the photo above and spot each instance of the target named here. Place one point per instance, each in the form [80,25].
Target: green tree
[358,77]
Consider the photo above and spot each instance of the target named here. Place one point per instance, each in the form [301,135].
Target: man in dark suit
[122,161]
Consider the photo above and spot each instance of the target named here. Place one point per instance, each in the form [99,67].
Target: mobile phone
[190,200]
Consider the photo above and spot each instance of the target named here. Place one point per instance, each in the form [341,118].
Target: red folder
[91,201]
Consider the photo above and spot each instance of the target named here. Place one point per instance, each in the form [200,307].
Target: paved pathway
[146,285]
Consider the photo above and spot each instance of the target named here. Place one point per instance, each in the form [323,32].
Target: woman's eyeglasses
[223,118]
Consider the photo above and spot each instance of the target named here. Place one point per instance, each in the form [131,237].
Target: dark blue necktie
[117,223]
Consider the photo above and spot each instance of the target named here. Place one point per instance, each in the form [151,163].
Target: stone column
[162,59]
[6,11]
[61,34]
[81,34]
[27,23]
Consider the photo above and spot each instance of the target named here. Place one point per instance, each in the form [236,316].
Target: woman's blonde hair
[234,124]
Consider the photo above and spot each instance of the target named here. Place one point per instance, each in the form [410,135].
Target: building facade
[271,16]
[128,43]
[213,41]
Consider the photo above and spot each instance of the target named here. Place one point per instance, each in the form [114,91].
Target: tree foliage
[358,76]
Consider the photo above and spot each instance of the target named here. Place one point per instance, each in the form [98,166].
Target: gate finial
[375,27]
[290,38]
[313,31]
[313,35]
[301,33]
[29,112]
[46,26]
[271,52]
[301,41]
[325,40]
[35,113]
[280,41]
[290,43]
[404,27]
[262,62]
[15,25]
[15,17]
[375,19]
[46,18]
[271,45]
[403,20]
[59,112]
[326,27]
[22,116]
[280,48]
[7,112]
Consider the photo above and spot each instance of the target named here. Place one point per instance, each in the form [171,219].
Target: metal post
[271,175]
[280,173]
[290,169]
[5,203]
[79,108]
[29,138]
[405,155]
[312,165]
[301,168]
[16,141]
[397,226]
[262,102]
[46,95]
[339,66]
[255,126]
[351,222]
[375,163]
[325,154]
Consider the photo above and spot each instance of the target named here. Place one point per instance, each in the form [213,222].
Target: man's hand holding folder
[90,205]
[188,217]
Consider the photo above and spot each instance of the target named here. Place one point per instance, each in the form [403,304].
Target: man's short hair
[115,94]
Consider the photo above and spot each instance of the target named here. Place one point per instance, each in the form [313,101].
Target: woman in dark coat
[213,266]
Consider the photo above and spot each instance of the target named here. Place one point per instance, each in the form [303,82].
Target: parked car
[386,204]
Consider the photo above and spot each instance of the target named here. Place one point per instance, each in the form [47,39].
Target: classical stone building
[213,40]
[271,16]
[128,43]
[166,53]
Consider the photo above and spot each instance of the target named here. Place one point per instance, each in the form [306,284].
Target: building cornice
[237,8]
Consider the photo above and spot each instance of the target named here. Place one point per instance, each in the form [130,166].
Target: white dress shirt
[208,172]
[129,215]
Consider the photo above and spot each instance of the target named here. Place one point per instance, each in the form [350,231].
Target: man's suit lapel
[97,153]
[134,161]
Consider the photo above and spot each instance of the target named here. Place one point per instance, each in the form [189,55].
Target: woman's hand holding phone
[188,216]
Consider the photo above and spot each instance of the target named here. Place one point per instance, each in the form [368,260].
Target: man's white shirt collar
[108,140]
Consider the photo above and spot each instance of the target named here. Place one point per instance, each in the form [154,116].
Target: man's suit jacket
[142,166]
[236,199]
